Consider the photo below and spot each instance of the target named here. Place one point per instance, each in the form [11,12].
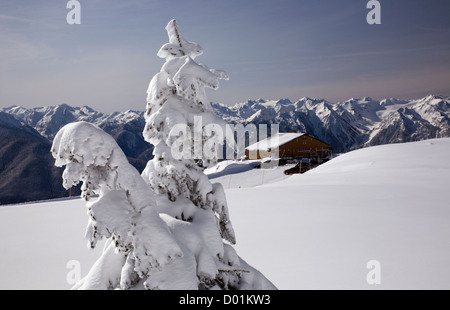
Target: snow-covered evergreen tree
[177,100]
[140,243]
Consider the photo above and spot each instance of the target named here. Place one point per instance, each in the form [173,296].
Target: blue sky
[270,49]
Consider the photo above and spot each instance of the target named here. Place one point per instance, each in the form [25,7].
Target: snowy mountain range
[347,125]
[126,127]
[27,171]
[352,124]
[27,133]
[25,142]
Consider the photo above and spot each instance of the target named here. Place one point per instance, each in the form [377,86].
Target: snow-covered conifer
[140,243]
[181,125]
[177,100]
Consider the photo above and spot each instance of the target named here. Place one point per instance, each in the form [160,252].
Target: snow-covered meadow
[318,230]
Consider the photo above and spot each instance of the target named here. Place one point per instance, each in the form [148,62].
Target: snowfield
[318,230]
[39,241]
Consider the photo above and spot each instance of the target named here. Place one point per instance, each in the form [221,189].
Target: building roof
[274,141]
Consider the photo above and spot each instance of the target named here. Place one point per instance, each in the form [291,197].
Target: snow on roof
[274,141]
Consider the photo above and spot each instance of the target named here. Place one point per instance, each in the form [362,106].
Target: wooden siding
[304,146]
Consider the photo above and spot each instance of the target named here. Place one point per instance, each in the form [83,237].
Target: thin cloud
[374,53]
[27,21]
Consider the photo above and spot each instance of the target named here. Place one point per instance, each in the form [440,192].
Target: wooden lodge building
[291,145]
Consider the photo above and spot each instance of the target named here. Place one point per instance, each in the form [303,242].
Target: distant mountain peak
[284,101]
